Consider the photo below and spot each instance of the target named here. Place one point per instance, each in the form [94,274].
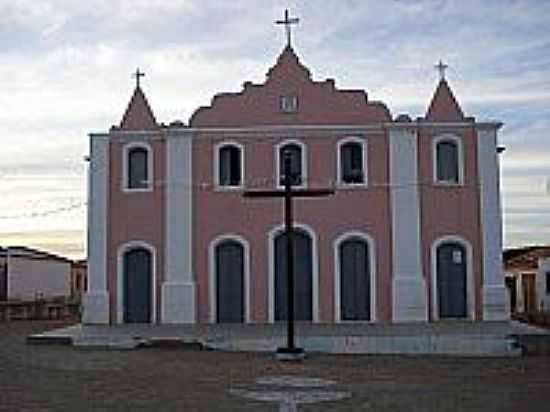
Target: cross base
[287,354]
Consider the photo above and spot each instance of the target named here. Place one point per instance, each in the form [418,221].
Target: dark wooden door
[451,280]
[230,282]
[354,280]
[303,291]
[137,286]
[528,286]
[512,292]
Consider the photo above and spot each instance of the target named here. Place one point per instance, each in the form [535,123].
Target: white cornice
[285,129]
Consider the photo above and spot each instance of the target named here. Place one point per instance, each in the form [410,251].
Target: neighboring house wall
[543,286]
[30,278]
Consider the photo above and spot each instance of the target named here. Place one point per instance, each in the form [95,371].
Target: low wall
[58,309]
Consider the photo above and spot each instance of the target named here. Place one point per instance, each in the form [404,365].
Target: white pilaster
[495,298]
[96,299]
[178,289]
[409,286]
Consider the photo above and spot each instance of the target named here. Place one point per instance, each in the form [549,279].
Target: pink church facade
[412,233]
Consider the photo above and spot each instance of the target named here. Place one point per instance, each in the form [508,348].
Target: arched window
[230,165]
[296,166]
[352,163]
[447,154]
[137,173]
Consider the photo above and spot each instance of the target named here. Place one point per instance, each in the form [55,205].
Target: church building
[413,231]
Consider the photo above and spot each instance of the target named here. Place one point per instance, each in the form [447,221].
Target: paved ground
[57,378]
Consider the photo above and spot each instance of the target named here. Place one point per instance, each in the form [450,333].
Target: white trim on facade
[470,286]
[354,128]
[496,304]
[216,164]
[338,275]
[364,166]
[409,295]
[96,299]
[125,165]
[277,156]
[212,273]
[178,288]
[122,249]
[449,137]
[273,233]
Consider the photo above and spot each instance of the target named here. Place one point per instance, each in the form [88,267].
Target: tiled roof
[525,258]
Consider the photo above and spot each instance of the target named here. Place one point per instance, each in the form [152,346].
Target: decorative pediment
[289,83]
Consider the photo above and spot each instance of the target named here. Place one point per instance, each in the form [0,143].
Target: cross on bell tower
[137,75]
[288,22]
[441,67]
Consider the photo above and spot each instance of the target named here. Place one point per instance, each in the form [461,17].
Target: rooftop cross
[441,67]
[288,21]
[137,75]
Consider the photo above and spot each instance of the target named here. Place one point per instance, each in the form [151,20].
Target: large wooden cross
[288,22]
[288,193]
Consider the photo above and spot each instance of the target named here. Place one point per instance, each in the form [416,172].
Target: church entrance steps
[455,338]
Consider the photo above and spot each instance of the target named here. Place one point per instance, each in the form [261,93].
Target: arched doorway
[303,276]
[229,256]
[451,268]
[355,273]
[138,284]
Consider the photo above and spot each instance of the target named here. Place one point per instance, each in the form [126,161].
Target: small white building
[527,272]
[31,274]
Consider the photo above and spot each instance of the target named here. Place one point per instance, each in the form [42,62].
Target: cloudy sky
[65,70]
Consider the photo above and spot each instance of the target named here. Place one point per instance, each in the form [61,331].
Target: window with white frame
[296,154]
[230,165]
[448,168]
[137,167]
[351,162]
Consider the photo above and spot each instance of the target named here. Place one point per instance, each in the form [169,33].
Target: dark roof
[525,257]
[27,252]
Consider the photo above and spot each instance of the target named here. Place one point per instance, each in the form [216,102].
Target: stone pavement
[443,338]
[65,378]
